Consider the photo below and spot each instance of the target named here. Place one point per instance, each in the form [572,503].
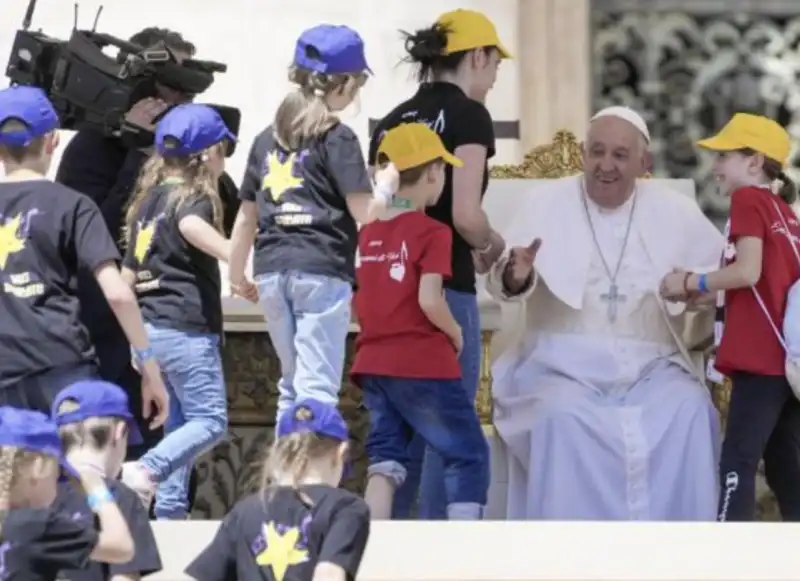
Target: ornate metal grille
[688,65]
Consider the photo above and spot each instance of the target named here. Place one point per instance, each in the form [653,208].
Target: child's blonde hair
[19,153]
[303,113]
[289,457]
[13,461]
[197,180]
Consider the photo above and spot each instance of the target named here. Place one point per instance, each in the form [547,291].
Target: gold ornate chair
[557,159]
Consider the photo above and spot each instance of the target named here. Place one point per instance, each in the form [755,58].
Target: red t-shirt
[396,338]
[748,341]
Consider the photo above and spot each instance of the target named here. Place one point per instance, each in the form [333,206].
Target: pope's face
[614,155]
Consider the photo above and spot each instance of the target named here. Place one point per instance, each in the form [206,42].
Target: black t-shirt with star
[178,285]
[35,544]
[48,232]
[146,559]
[458,120]
[282,534]
[303,220]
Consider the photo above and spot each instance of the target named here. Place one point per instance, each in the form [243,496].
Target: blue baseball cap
[311,415]
[93,398]
[331,50]
[32,431]
[189,129]
[31,107]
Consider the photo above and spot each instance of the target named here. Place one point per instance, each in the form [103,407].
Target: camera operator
[105,169]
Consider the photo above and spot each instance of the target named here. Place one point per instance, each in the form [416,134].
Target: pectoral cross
[612,297]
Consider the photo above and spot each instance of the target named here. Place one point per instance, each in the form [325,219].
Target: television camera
[90,89]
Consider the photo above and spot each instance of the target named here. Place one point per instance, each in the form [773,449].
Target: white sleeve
[496,288]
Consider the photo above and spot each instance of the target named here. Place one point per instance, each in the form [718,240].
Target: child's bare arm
[743,272]
[329,572]
[244,232]
[129,276]
[114,542]
[205,237]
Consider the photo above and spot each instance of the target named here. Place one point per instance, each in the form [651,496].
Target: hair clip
[776,185]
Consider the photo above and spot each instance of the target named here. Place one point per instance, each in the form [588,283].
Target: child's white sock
[379,496]
[464,511]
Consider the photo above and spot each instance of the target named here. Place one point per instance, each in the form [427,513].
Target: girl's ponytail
[787,190]
[780,183]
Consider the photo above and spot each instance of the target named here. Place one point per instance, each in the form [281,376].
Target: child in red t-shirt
[407,351]
[758,268]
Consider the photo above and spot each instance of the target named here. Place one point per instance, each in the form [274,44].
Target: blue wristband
[142,355]
[98,497]
[702,283]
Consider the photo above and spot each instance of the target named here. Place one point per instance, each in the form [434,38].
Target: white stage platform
[517,551]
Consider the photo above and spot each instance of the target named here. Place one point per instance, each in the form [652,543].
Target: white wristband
[383,192]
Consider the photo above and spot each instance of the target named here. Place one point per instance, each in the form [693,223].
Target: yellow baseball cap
[470,30]
[415,144]
[748,131]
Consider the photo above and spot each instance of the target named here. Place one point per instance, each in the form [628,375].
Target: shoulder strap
[755,292]
[788,232]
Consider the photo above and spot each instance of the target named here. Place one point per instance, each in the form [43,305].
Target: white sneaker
[137,478]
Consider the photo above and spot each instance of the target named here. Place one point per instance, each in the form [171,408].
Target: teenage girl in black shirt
[457,59]
[300,525]
[36,539]
[305,188]
[175,243]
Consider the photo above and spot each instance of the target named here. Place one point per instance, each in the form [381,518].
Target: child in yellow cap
[759,267]
[407,351]
[456,60]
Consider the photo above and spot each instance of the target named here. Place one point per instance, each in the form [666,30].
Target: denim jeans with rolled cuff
[439,412]
[425,481]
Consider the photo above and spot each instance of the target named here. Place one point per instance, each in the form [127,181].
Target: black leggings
[763,421]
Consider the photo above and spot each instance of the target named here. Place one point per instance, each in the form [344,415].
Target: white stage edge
[526,551]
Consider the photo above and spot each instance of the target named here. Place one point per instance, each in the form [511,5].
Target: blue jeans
[308,317]
[439,412]
[191,364]
[425,468]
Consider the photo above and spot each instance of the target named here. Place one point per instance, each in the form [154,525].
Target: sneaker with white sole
[137,478]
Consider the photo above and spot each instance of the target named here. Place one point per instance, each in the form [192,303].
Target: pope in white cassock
[604,415]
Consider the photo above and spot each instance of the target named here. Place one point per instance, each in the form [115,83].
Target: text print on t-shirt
[14,233]
[142,244]
[280,177]
[395,259]
[439,124]
[778,228]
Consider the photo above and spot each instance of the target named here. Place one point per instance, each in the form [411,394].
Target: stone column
[555,69]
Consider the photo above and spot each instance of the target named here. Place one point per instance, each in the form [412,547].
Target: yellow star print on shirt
[144,238]
[279,177]
[282,551]
[10,240]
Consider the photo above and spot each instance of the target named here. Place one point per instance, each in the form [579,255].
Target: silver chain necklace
[613,296]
